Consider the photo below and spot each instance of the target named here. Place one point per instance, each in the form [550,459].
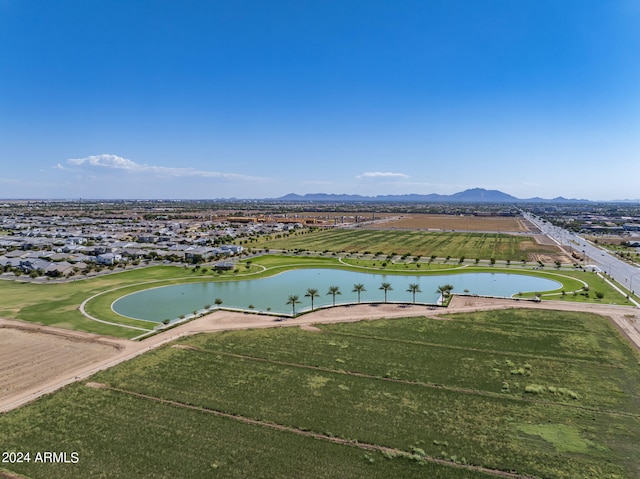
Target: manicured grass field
[541,393]
[452,222]
[470,245]
[57,304]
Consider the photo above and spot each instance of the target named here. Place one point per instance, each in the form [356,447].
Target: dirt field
[31,356]
[562,254]
[457,223]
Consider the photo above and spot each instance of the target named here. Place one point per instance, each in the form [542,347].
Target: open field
[30,356]
[536,392]
[505,224]
[457,245]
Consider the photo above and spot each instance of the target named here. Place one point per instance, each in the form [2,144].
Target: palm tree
[358,288]
[445,290]
[414,288]
[385,287]
[333,290]
[311,293]
[293,300]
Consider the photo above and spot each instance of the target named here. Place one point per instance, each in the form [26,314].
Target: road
[625,274]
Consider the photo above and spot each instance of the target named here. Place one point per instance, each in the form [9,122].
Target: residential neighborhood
[64,246]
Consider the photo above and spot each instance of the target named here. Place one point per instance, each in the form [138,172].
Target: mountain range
[474,195]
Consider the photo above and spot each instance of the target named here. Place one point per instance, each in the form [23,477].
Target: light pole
[609,264]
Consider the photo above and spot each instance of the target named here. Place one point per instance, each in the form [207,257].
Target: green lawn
[540,393]
[457,245]
[57,304]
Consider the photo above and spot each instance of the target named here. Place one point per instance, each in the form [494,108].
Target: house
[195,254]
[135,253]
[108,258]
[231,249]
[62,268]
[147,238]
[15,254]
[224,266]
[34,264]
[11,262]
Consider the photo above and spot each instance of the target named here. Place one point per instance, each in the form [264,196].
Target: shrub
[534,389]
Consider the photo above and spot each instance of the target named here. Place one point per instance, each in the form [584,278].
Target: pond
[271,293]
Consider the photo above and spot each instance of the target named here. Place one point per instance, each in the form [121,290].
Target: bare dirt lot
[562,255]
[31,356]
[503,224]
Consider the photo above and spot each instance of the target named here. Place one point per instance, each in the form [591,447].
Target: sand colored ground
[30,358]
[61,357]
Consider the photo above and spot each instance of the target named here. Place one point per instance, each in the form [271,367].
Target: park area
[58,304]
[525,393]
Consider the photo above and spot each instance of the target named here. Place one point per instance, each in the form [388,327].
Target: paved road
[624,273]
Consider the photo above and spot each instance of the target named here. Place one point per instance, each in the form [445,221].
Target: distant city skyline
[254,99]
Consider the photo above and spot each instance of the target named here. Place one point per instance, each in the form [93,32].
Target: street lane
[624,273]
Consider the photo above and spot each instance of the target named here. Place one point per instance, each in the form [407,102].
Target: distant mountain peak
[472,195]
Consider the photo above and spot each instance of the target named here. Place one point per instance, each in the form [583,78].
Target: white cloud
[380,174]
[58,167]
[107,161]
[118,163]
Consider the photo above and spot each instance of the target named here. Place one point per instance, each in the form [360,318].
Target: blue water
[271,294]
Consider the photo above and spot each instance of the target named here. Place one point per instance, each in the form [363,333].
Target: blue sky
[253,99]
